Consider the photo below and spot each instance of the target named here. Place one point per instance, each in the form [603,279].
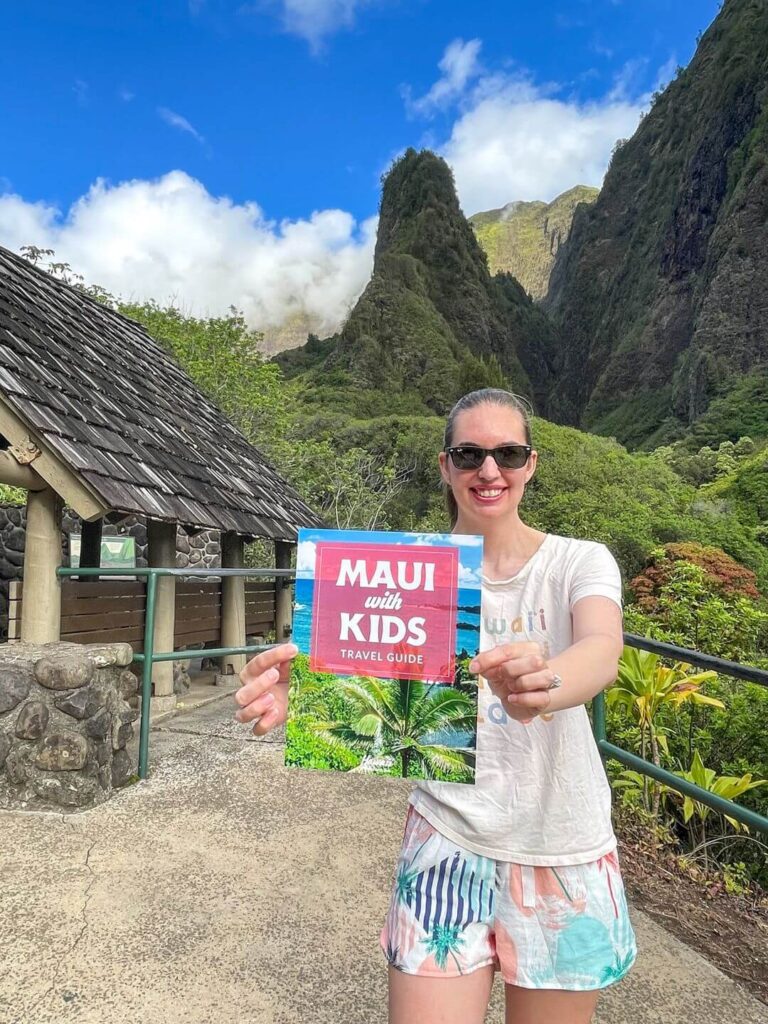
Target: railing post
[283,609]
[146,676]
[90,545]
[598,718]
[41,587]
[161,553]
[232,603]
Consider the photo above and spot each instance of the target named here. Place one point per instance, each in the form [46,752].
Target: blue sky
[211,152]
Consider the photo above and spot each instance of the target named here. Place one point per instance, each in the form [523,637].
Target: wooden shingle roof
[111,404]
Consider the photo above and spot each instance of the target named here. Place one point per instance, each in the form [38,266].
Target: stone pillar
[66,717]
[161,551]
[41,592]
[283,609]
[232,604]
[90,546]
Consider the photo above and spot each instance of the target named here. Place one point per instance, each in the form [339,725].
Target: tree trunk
[644,752]
[656,786]
[405,758]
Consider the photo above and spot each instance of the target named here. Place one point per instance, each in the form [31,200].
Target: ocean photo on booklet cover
[386,625]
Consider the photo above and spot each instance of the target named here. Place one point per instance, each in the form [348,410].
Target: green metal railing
[730,668]
[148,658]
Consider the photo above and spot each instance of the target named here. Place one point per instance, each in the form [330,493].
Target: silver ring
[556,681]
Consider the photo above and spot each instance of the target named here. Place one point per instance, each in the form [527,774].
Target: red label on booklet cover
[384,610]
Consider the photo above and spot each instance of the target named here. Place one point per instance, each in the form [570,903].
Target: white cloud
[469,577]
[665,74]
[177,121]
[170,240]
[462,540]
[514,139]
[626,82]
[305,559]
[517,145]
[459,65]
[313,20]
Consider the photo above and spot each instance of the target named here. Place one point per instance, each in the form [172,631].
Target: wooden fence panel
[112,611]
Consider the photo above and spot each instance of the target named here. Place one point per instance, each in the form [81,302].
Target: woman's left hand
[520,677]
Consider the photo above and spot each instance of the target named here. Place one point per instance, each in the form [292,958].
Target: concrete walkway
[229,889]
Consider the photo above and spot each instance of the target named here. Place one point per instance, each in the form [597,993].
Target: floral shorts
[453,911]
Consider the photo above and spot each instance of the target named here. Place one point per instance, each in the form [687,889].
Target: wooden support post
[283,609]
[161,551]
[232,603]
[41,600]
[90,546]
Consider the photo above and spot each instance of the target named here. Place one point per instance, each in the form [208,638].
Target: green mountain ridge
[523,238]
[655,325]
[432,322]
[659,289]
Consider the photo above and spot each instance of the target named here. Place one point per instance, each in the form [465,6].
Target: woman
[518,872]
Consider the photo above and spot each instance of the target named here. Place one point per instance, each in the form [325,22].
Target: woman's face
[489,493]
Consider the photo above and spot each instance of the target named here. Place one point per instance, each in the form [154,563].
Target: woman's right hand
[263,696]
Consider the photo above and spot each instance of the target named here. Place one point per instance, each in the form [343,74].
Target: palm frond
[446,759]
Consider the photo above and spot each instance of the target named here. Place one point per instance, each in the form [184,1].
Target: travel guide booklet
[386,625]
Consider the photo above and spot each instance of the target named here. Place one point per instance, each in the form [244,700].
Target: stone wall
[66,715]
[198,551]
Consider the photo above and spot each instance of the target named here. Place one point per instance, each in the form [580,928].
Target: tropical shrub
[723,574]
[644,687]
[304,748]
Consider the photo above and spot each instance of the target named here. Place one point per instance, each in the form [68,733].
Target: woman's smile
[487,495]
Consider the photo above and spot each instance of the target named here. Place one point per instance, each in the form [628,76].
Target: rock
[127,684]
[122,728]
[32,721]
[104,655]
[98,726]
[5,746]
[17,765]
[105,777]
[181,680]
[14,558]
[67,790]
[14,540]
[65,670]
[14,687]
[62,751]
[103,753]
[122,768]
[82,703]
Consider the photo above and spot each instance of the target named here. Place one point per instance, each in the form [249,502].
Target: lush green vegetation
[522,239]
[432,322]
[697,724]
[659,293]
[383,726]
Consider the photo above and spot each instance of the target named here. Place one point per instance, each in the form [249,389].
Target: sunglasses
[507,456]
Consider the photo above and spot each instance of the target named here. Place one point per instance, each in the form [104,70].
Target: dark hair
[485,396]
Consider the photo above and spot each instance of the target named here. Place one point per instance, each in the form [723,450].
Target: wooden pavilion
[94,413]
